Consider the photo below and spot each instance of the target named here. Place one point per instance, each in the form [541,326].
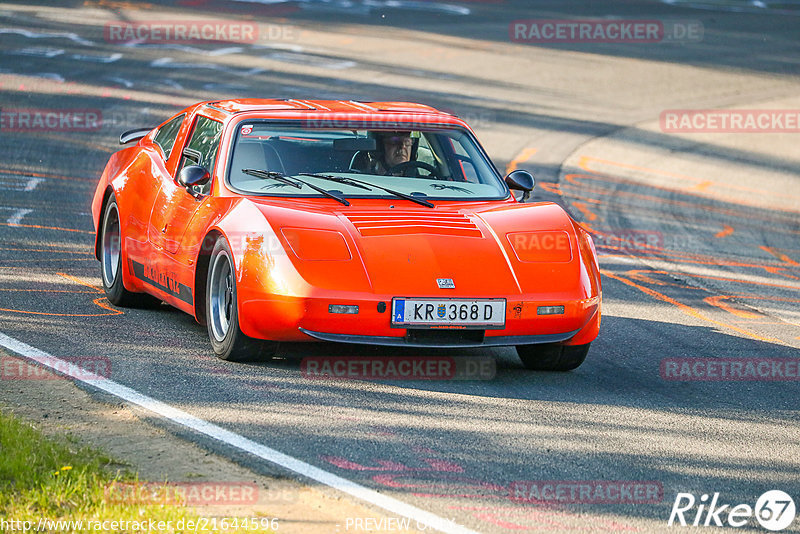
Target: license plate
[470,313]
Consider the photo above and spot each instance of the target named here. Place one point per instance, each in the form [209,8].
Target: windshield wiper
[338,179]
[296,183]
[353,181]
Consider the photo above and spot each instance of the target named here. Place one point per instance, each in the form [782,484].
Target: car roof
[325,106]
[351,109]
[397,115]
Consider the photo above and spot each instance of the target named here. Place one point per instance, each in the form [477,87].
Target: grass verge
[46,480]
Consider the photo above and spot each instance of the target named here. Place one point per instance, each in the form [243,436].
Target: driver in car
[393,148]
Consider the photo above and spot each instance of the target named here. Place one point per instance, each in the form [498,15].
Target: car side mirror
[193,175]
[520,180]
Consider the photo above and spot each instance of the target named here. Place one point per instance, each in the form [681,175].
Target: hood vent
[411,222]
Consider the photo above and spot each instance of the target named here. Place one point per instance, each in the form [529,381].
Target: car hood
[403,251]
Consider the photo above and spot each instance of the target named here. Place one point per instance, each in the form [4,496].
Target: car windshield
[437,164]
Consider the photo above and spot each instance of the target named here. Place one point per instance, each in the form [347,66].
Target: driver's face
[397,149]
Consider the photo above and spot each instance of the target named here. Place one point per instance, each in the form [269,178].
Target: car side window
[165,137]
[203,144]
[468,169]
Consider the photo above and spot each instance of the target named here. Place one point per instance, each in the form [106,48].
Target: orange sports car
[379,223]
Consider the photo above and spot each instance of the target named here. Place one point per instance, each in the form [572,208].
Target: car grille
[377,224]
[435,336]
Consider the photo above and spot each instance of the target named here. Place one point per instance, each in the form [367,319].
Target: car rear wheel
[552,356]
[111,261]
[227,339]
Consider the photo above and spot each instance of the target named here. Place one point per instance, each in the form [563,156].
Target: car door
[174,208]
[167,143]
[176,205]
[143,188]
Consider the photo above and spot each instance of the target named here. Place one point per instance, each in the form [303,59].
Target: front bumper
[290,318]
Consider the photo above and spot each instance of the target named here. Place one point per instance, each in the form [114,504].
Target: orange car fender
[103,189]
[513,224]
[100,195]
[591,285]
[124,177]
[269,289]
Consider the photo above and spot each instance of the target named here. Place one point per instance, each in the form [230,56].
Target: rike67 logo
[774,510]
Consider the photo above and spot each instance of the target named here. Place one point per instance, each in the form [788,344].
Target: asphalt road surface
[698,232]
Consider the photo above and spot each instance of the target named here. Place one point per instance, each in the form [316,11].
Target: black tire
[552,356]
[222,313]
[111,259]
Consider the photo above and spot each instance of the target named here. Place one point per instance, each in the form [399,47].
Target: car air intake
[414,222]
[436,336]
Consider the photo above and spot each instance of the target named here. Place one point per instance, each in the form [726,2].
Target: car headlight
[317,245]
[542,246]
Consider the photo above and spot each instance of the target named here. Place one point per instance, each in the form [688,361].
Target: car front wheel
[552,356]
[227,339]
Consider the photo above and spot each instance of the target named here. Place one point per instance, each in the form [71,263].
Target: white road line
[38,51]
[314,61]
[111,58]
[278,46]
[10,184]
[33,35]
[422,517]
[50,76]
[173,84]
[32,183]
[184,48]
[13,183]
[367,7]
[168,62]
[116,79]
[16,218]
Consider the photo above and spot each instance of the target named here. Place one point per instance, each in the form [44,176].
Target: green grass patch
[56,479]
